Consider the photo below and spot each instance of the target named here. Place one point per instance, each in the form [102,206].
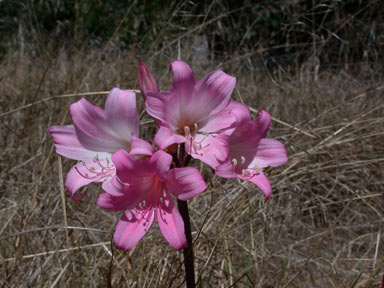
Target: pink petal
[165,137]
[132,227]
[270,152]
[210,96]
[183,80]
[82,174]
[244,139]
[139,174]
[262,122]
[160,162]
[93,130]
[146,80]
[156,103]
[128,168]
[96,144]
[115,187]
[67,144]
[211,149]
[140,147]
[91,119]
[261,181]
[185,183]
[171,223]
[121,113]
[114,203]
[234,114]
[240,112]
[226,169]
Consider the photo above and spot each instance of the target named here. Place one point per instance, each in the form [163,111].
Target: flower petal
[161,162]
[226,169]
[115,187]
[146,80]
[270,152]
[210,96]
[96,144]
[131,227]
[262,123]
[114,203]
[171,223]
[261,181]
[211,149]
[91,119]
[121,113]
[68,145]
[183,80]
[156,103]
[83,174]
[234,114]
[128,168]
[165,137]
[185,183]
[140,147]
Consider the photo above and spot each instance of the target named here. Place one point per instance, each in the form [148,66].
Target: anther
[242,159]
[234,162]
[96,158]
[195,125]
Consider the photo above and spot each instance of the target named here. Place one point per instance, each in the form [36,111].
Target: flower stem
[188,252]
[181,161]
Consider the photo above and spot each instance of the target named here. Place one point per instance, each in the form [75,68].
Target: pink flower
[143,189]
[250,151]
[146,80]
[192,110]
[95,135]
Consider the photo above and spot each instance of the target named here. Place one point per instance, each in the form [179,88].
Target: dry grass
[322,227]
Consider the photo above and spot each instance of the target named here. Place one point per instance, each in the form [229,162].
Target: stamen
[242,159]
[195,125]
[234,162]
[186,130]
[96,158]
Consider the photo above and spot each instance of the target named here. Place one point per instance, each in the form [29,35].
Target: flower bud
[146,80]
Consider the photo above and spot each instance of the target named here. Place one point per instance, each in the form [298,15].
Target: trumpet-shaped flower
[95,135]
[192,110]
[143,190]
[250,151]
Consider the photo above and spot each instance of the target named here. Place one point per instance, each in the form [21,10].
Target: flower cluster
[195,119]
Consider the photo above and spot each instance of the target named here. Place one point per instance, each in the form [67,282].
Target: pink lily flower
[146,80]
[250,151]
[96,135]
[192,110]
[143,189]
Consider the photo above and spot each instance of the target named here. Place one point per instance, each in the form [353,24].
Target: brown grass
[322,227]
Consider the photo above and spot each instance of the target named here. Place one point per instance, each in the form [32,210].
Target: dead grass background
[322,227]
